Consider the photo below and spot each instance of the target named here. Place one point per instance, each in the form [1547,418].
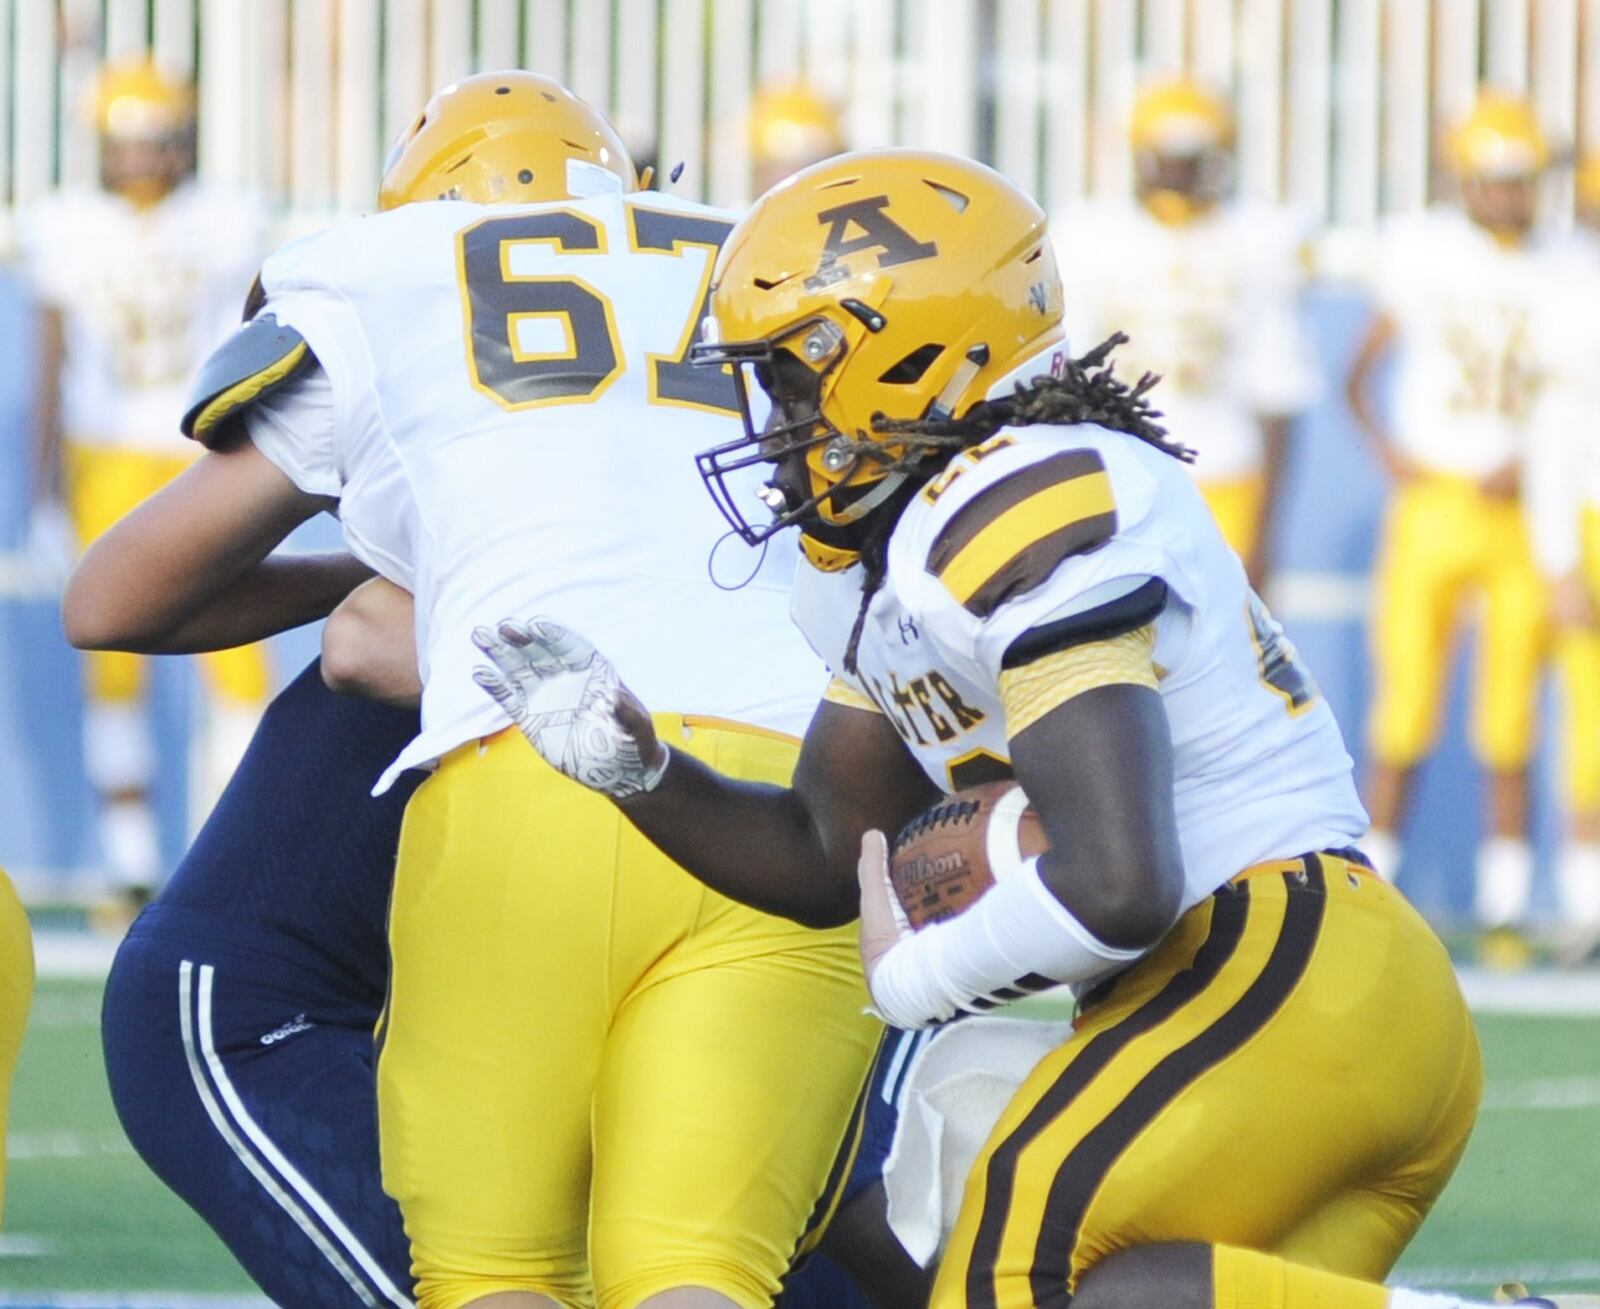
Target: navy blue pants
[246,1084]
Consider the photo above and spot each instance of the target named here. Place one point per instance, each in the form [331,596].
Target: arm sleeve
[1033,690]
[296,429]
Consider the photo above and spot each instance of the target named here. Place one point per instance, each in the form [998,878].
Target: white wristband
[1017,938]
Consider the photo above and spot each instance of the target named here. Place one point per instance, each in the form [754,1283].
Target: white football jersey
[145,295]
[1211,305]
[1261,769]
[508,420]
[1561,477]
[1467,313]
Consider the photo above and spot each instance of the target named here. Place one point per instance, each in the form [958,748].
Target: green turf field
[82,1214]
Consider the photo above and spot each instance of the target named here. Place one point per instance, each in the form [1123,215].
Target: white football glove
[562,694]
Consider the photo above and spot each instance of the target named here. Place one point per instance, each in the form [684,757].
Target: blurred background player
[791,127]
[1207,293]
[135,281]
[1562,502]
[1458,295]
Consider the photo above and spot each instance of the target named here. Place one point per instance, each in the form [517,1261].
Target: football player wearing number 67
[598,1082]
[1010,571]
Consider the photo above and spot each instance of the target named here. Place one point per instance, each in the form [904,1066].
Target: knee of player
[1172,1275]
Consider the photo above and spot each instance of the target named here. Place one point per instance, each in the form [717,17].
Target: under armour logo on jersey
[909,634]
[874,230]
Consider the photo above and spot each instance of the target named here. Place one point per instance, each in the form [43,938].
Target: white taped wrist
[1016,939]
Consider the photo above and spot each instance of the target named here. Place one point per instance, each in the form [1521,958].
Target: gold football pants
[16,990]
[595,1072]
[1293,1070]
[1578,654]
[1443,541]
[103,484]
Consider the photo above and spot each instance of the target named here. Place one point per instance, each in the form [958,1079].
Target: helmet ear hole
[911,369]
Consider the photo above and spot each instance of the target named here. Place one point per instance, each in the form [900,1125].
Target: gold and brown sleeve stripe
[1033,690]
[840,692]
[1012,536]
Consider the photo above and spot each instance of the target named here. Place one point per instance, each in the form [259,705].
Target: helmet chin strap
[945,403]
[873,498]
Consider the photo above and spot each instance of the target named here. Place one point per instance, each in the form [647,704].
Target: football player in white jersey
[1010,572]
[137,280]
[1460,293]
[1207,292]
[1562,506]
[598,1082]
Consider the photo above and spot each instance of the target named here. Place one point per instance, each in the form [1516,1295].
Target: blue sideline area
[1328,525]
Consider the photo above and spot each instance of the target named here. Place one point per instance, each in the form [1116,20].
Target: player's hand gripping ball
[947,857]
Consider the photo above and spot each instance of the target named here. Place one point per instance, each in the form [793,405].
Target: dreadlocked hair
[874,552]
[1087,392]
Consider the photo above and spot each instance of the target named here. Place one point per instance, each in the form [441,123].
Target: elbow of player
[1135,909]
[98,615]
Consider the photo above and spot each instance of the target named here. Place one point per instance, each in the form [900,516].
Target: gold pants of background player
[1293,1070]
[1444,542]
[593,1070]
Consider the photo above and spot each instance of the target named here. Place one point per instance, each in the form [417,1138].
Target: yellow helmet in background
[1180,117]
[791,127]
[875,286]
[134,100]
[506,137]
[1182,138]
[1499,140]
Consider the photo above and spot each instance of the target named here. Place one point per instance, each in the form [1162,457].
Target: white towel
[958,1085]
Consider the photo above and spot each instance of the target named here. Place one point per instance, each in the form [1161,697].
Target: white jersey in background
[506,415]
[1260,767]
[145,295]
[1468,315]
[1562,475]
[1211,305]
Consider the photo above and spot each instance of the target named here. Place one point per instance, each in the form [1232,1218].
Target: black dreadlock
[1086,392]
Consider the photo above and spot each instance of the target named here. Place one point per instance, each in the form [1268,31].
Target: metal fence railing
[1337,98]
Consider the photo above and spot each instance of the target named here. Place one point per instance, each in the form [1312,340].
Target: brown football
[944,859]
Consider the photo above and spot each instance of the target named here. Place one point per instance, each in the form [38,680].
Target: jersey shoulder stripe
[1011,536]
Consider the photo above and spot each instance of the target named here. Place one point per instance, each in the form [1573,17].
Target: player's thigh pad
[1296,1047]
[250,1092]
[733,1071]
[16,992]
[1514,643]
[1429,554]
[499,932]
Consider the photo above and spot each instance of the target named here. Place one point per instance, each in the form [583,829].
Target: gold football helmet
[134,100]
[1500,140]
[873,287]
[791,128]
[505,137]
[1182,138]
[145,120]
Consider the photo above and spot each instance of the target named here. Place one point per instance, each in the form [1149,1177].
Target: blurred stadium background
[1337,104]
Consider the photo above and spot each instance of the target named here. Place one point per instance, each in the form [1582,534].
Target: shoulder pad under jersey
[257,359]
[1011,536]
